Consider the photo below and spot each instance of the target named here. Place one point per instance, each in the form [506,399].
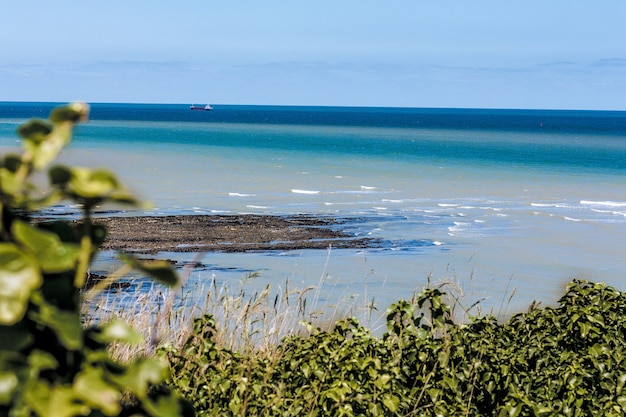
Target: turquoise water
[495,200]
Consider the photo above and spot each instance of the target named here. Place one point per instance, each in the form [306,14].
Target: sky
[556,54]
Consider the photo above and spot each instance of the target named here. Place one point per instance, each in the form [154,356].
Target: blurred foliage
[50,365]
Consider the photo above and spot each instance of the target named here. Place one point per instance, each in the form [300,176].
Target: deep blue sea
[494,200]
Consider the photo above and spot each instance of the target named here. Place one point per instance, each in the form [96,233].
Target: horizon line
[319,106]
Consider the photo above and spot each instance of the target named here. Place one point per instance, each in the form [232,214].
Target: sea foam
[603,203]
[296,191]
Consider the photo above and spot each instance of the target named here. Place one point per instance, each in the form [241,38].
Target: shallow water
[494,201]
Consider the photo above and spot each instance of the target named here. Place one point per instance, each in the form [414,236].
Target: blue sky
[411,53]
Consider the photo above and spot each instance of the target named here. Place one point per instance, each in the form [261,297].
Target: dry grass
[247,321]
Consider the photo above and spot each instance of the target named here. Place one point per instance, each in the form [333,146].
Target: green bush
[562,361]
[49,364]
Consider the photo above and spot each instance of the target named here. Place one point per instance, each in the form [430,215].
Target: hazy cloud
[610,62]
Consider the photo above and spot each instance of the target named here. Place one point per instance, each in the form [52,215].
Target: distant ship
[200,107]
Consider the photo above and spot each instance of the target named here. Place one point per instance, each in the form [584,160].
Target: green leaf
[91,186]
[91,386]
[118,331]
[40,360]
[391,402]
[10,183]
[12,162]
[160,270]
[60,175]
[72,113]
[19,276]
[53,255]
[585,328]
[93,183]
[451,382]
[66,324]
[140,375]
[382,381]
[434,394]
[40,147]
[64,403]
[37,396]
[335,394]
[621,380]
[15,337]
[162,406]
[36,130]
[8,384]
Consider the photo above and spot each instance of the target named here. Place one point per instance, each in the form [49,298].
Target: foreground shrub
[567,360]
[49,364]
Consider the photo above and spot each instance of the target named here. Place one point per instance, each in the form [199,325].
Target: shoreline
[226,233]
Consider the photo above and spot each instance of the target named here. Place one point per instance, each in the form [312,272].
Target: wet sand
[226,233]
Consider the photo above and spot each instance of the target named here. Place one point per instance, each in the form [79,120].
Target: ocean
[501,202]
